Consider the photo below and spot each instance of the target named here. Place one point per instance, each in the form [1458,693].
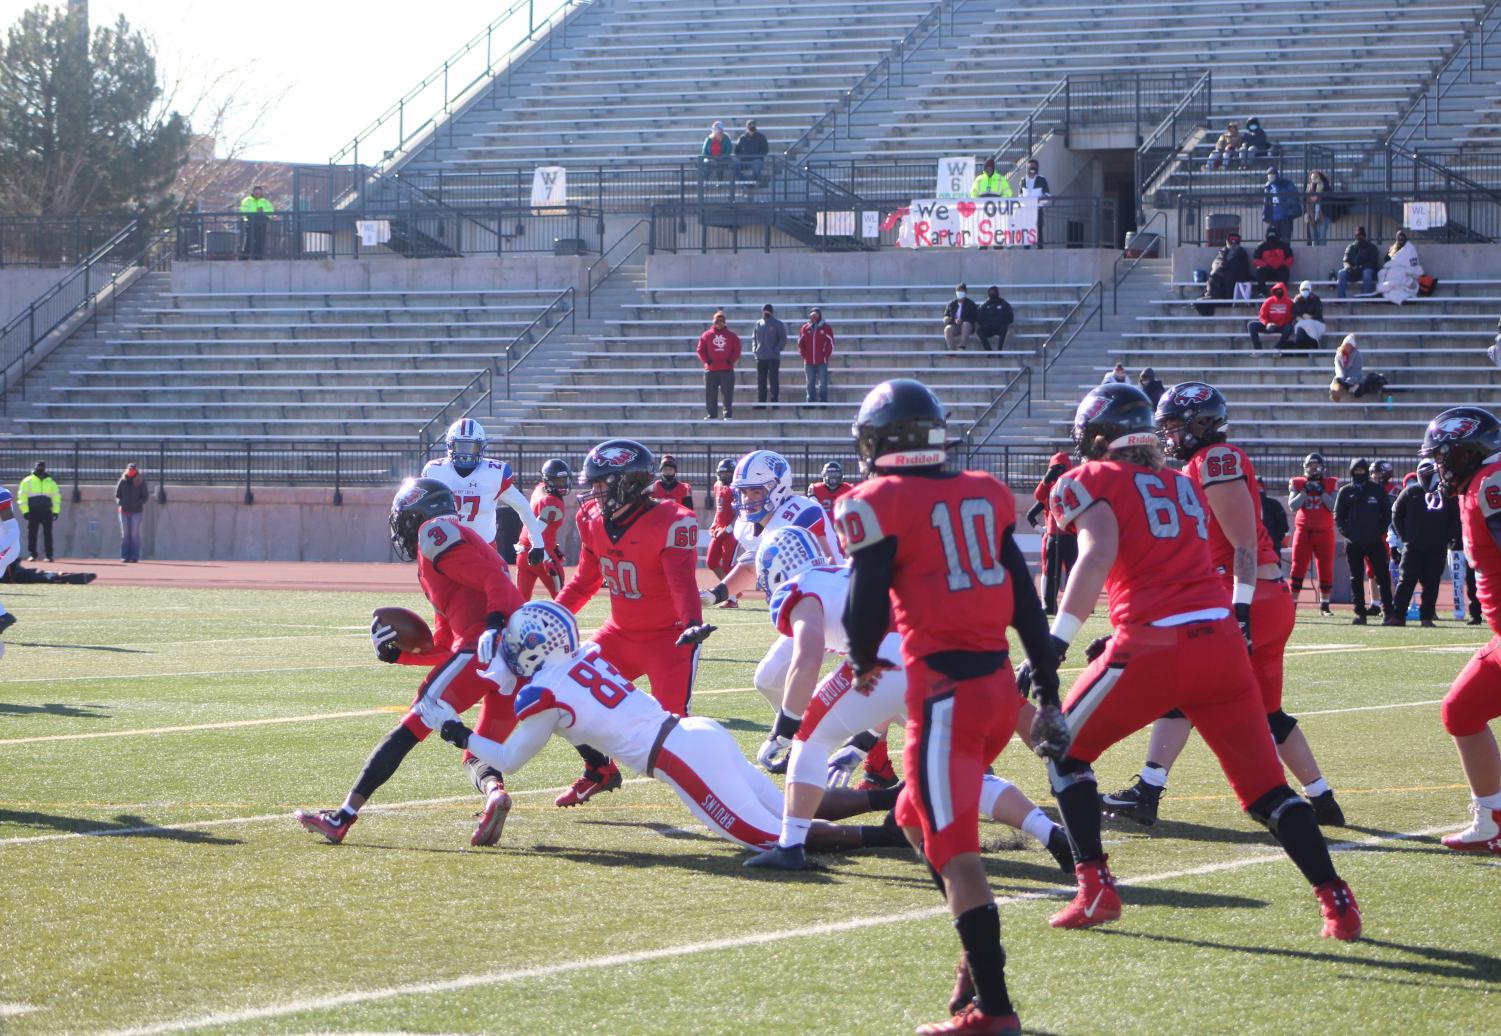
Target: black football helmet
[415,502]
[1459,440]
[667,469]
[1383,471]
[833,474]
[901,424]
[1198,414]
[625,467]
[1117,413]
[726,470]
[1313,465]
[557,475]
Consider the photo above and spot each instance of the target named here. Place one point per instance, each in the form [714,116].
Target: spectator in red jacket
[1276,315]
[1273,260]
[815,343]
[719,349]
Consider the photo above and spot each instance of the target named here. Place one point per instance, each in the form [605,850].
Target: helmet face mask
[1313,465]
[833,474]
[785,554]
[465,440]
[416,501]
[726,471]
[1190,416]
[617,473]
[667,471]
[762,483]
[537,633]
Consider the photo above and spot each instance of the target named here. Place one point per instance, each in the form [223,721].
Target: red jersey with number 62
[649,566]
[1223,463]
[949,590]
[1162,564]
[1479,516]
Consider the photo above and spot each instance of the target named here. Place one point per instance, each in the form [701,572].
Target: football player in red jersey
[464,579]
[1144,536]
[936,548]
[548,504]
[1465,442]
[1311,499]
[645,552]
[667,486]
[721,556]
[830,487]
[1191,422]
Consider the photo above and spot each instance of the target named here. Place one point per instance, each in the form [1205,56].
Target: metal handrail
[1117,275]
[1436,87]
[1027,123]
[452,97]
[1045,360]
[1024,398]
[589,284]
[441,417]
[572,311]
[1420,159]
[1205,85]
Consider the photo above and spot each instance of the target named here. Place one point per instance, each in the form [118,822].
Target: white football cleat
[1482,836]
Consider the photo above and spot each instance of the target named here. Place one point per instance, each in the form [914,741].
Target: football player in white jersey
[10,549]
[479,485]
[574,692]
[764,501]
[806,600]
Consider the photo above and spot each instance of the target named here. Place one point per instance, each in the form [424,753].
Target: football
[412,634]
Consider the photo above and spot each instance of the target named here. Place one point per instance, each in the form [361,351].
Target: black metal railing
[1160,148]
[1471,216]
[1140,100]
[1070,327]
[1017,393]
[606,267]
[410,231]
[53,241]
[1425,111]
[564,305]
[478,389]
[1046,116]
[1146,244]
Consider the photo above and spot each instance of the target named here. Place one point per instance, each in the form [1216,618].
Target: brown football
[412,634]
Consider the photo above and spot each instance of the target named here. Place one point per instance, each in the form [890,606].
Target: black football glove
[1050,736]
[695,634]
[1095,648]
[866,674]
[536,556]
[383,639]
[1243,617]
[455,733]
[1042,684]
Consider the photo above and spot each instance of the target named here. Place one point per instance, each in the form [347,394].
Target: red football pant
[1317,545]
[1201,668]
[530,575]
[1475,698]
[670,669]
[457,681]
[721,557]
[955,730]
[1273,614]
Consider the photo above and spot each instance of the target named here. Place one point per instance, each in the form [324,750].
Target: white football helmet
[783,554]
[537,633]
[466,442]
[763,480]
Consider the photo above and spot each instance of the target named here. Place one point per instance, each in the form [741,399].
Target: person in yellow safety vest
[990,184]
[41,502]
[255,209]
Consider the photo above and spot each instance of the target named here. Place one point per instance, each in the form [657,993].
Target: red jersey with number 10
[1161,564]
[649,567]
[1479,506]
[949,590]
[1221,463]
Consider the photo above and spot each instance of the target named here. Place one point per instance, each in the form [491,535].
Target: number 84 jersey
[1162,568]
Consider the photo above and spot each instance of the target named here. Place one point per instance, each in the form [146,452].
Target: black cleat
[6,622]
[1061,850]
[1359,620]
[1138,803]
[779,858]
[1324,608]
[1326,811]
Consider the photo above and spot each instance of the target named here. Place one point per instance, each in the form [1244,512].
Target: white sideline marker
[463,982]
[13,1010]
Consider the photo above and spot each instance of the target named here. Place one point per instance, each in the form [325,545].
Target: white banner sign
[1424,215]
[870,224]
[988,222]
[955,177]
[550,185]
[836,224]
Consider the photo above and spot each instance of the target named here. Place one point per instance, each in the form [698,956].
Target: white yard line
[12,1010]
[198,825]
[226,725]
[548,971]
[173,676]
[1372,708]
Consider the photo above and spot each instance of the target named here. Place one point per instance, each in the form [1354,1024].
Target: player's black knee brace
[1271,807]
[1175,714]
[1068,772]
[480,771]
[1282,725]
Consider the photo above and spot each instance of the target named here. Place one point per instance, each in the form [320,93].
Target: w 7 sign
[983,222]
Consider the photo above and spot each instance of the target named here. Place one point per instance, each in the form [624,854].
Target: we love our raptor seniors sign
[969,223]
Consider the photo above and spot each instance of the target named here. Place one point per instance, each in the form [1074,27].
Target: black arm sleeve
[867,609]
[1027,617]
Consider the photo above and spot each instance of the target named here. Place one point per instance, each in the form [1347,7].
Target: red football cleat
[330,823]
[607,778]
[1482,836]
[964,986]
[877,779]
[1341,912]
[492,819]
[971,1022]
[1096,901]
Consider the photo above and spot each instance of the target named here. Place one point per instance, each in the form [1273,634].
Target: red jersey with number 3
[464,580]
[1479,520]
[548,507]
[1161,564]
[949,590]
[1225,463]
[650,568]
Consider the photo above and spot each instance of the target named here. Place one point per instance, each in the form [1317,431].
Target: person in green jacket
[255,211]
[41,502]
[990,184]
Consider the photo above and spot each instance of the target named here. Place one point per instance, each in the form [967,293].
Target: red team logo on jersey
[615,456]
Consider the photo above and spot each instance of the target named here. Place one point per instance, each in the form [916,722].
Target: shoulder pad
[859,525]
[430,467]
[1488,493]
[1222,463]
[784,600]
[1068,500]
[534,698]
[683,532]
[809,515]
[437,536]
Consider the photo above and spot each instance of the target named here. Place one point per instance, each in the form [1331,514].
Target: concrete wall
[946,267]
[524,273]
[20,288]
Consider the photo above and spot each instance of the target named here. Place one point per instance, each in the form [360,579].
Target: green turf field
[212,911]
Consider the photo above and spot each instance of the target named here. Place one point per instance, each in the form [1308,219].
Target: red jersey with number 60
[949,590]
[649,567]
[1479,520]
[548,507]
[1161,564]
[1219,464]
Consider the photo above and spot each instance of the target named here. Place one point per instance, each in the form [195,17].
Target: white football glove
[706,597]
[434,712]
[773,754]
[843,764]
[484,649]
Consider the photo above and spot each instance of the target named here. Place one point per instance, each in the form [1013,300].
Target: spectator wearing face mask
[995,320]
[769,338]
[1362,260]
[750,152]
[960,317]
[815,344]
[1362,512]
[1399,277]
[1426,532]
[1308,318]
[1282,203]
[719,350]
[1273,260]
[1231,266]
[1148,383]
[1275,317]
[1254,143]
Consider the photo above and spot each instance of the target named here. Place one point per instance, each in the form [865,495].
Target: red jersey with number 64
[1479,507]
[1218,464]
[649,567]
[949,590]
[1161,564]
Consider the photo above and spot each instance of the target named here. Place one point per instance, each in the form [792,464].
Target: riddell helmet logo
[1453,427]
[614,456]
[1193,394]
